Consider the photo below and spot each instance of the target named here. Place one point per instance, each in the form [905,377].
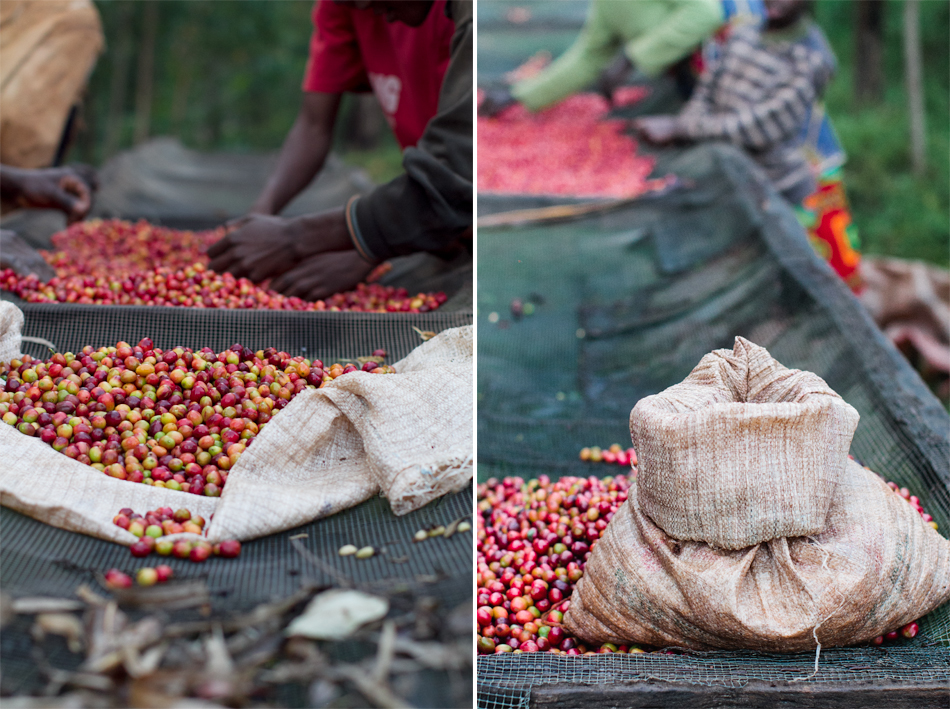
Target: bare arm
[303,154]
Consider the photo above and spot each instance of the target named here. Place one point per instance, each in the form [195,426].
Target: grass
[896,212]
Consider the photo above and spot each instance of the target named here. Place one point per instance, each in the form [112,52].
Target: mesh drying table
[627,301]
[37,559]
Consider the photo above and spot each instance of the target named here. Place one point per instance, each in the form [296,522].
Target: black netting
[626,302]
[325,335]
[37,559]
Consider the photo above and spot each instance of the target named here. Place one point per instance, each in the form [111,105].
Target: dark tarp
[627,301]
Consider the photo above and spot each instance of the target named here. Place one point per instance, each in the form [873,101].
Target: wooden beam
[771,695]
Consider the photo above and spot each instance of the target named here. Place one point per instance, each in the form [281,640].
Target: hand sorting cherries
[114,262]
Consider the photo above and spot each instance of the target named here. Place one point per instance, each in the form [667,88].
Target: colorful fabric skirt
[826,216]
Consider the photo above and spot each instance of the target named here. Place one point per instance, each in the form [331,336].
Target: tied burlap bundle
[876,567]
[742,451]
[407,435]
[843,569]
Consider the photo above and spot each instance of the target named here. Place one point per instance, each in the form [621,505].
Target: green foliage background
[897,214]
[227,77]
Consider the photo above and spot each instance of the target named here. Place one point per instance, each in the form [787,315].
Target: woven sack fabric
[11,328]
[408,435]
[742,451]
[875,567]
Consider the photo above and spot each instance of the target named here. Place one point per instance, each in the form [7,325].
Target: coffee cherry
[140,549]
[147,576]
[200,552]
[230,548]
[117,579]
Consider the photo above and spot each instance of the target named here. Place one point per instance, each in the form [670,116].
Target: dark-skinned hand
[15,253]
[613,77]
[323,275]
[496,100]
[64,188]
[262,246]
[659,130]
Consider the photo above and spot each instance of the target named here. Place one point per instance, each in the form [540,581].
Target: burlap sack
[408,435]
[742,451]
[48,49]
[11,329]
[876,566]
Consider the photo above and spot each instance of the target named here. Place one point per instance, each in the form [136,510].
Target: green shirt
[654,34]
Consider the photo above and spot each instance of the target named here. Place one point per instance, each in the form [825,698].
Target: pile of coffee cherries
[196,287]
[534,538]
[177,418]
[115,262]
[567,149]
[101,247]
[614,454]
[153,528]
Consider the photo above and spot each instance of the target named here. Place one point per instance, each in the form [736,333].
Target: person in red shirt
[416,56]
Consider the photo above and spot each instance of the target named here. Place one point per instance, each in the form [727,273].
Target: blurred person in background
[417,57]
[48,49]
[651,36]
[66,189]
[762,93]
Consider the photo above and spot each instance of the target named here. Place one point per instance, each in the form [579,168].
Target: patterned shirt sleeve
[769,117]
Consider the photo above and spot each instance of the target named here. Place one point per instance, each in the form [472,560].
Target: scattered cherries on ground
[146,576]
[614,454]
[177,419]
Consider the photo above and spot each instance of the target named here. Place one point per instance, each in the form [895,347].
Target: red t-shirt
[355,50]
